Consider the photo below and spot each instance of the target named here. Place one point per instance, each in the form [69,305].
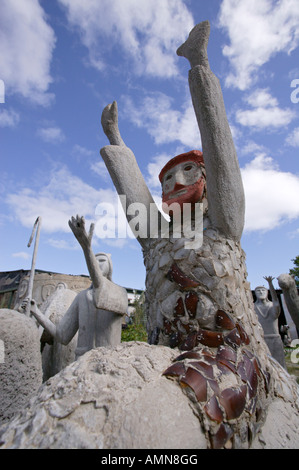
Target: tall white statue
[96,313]
[268,313]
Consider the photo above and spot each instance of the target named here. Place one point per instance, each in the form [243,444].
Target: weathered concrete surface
[118,399]
[57,356]
[21,371]
[289,289]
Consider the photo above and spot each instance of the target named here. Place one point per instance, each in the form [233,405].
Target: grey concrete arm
[274,297]
[225,191]
[77,225]
[42,319]
[123,168]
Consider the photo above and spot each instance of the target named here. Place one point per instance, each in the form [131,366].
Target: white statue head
[261,292]
[105,263]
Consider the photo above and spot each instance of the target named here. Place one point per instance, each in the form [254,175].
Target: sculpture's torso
[215,279]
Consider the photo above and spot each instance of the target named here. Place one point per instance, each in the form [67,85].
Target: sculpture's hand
[77,225]
[195,48]
[24,305]
[109,121]
[269,279]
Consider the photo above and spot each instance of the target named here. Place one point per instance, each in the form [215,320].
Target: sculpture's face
[183,183]
[103,263]
[261,293]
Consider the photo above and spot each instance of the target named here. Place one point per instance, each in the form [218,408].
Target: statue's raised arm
[225,192]
[123,168]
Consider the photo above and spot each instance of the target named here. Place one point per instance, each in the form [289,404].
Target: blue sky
[63,61]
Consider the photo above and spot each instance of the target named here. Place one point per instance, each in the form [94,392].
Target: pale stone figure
[96,313]
[268,313]
[288,286]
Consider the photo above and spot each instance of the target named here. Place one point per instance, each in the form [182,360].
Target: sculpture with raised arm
[207,379]
[96,313]
[198,299]
[268,313]
[288,286]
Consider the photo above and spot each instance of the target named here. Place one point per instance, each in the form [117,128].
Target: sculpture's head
[105,263]
[183,179]
[261,292]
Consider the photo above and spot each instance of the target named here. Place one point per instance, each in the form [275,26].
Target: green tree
[295,270]
[136,331]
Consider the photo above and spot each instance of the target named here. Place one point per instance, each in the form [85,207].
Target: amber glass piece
[188,355]
[191,301]
[242,371]
[167,327]
[243,335]
[175,274]
[227,353]
[224,321]
[208,356]
[213,410]
[179,308]
[212,339]
[256,365]
[221,437]
[214,386]
[233,401]
[233,338]
[190,342]
[175,370]
[206,369]
[187,326]
[197,382]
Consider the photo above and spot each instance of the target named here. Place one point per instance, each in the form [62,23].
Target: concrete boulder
[118,399]
[20,367]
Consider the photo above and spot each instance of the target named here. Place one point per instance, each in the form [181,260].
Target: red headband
[193,155]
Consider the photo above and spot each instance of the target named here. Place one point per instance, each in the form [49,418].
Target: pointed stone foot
[195,47]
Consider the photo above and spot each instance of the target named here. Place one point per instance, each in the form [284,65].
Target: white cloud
[271,194]
[265,112]
[257,30]
[63,244]
[293,138]
[21,254]
[100,169]
[164,124]
[9,118]
[52,135]
[65,195]
[147,32]
[154,169]
[26,46]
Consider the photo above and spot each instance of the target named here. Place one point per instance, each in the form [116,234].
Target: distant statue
[288,286]
[96,313]
[268,313]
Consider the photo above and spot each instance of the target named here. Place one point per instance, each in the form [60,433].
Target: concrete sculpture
[211,357]
[268,313]
[199,299]
[96,313]
[288,286]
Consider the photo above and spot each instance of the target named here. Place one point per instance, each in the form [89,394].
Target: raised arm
[77,225]
[124,170]
[275,301]
[224,183]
